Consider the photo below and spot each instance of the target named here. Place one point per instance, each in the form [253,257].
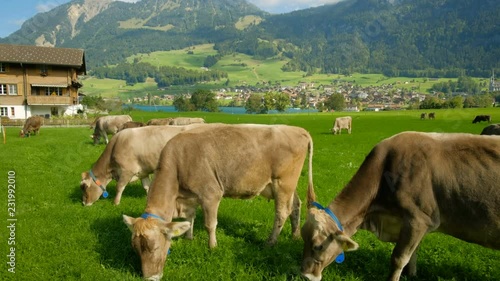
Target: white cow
[342,123]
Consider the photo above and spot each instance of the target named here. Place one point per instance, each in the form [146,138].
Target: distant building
[494,86]
[39,80]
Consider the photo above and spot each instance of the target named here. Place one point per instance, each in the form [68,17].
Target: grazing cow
[214,161]
[409,185]
[480,118]
[131,154]
[108,125]
[159,121]
[185,121]
[493,129]
[423,115]
[131,124]
[432,115]
[32,125]
[342,123]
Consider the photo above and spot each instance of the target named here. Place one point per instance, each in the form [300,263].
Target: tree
[204,100]
[281,102]
[254,104]
[335,102]
[181,103]
[96,102]
[269,102]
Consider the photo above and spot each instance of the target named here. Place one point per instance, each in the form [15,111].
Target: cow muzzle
[156,277]
[311,277]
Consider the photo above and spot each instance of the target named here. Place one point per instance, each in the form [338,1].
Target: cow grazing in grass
[131,124]
[108,125]
[423,116]
[214,161]
[132,154]
[493,129]
[159,121]
[409,185]
[185,121]
[480,118]
[32,125]
[432,116]
[342,123]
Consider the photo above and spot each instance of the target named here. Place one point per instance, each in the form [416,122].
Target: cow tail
[311,196]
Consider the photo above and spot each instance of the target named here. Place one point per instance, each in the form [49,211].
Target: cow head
[96,138]
[151,239]
[323,243]
[91,191]
[22,134]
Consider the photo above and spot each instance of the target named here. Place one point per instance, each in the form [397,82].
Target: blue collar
[149,215]
[340,258]
[104,192]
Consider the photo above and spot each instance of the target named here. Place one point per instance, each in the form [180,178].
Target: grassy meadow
[56,238]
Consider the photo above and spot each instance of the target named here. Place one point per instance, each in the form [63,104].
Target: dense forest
[164,76]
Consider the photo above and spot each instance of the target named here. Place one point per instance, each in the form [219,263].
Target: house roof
[43,55]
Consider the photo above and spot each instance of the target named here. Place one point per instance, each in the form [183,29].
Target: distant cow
[432,115]
[342,123]
[108,125]
[210,162]
[32,125]
[159,121]
[131,124]
[409,185]
[186,121]
[480,118]
[493,129]
[422,116]
[132,154]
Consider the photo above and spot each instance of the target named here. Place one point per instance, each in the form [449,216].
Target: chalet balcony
[49,100]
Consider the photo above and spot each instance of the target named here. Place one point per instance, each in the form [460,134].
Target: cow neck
[162,196]
[102,167]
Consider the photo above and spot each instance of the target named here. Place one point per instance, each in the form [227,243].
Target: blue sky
[15,12]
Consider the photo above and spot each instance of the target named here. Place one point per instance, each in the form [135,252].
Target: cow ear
[129,221]
[174,229]
[347,243]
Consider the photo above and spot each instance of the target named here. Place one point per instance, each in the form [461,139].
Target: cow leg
[145,183]
[411,268]
[295,216]
[210,209]
[409,238]
[120,187]
[283,207]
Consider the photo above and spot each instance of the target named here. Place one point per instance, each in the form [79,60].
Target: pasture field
[56,238]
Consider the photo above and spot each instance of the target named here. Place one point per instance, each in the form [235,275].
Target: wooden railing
[49,100]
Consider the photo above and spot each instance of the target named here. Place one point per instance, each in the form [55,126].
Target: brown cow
[480,118]
[32,125]
[159,121]
[131,154]
[342,123]
[185,121]
[493,129]
[215,161]
[409,185]
[108,125]
[423,115]
[432,116]
[131,124]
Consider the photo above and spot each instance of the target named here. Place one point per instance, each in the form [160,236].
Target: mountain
[111,30]
[395,37]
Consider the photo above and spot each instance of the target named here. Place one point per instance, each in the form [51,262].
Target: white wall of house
[13,111]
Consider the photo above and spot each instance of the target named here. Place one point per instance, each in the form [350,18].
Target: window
[12,111]
[4,111]
[3,67]
[53,91]
[12,89]
[44,70]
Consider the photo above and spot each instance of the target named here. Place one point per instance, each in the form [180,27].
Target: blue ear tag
[340,258]
[168,253]
[105,194]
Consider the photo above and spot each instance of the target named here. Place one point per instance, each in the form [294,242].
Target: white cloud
[289,5]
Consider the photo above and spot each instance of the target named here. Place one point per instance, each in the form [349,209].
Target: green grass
[59,239]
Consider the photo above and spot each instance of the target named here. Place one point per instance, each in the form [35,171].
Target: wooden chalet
[39,80]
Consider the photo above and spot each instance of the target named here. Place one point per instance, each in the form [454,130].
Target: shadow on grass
[133,190]
[114,245]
